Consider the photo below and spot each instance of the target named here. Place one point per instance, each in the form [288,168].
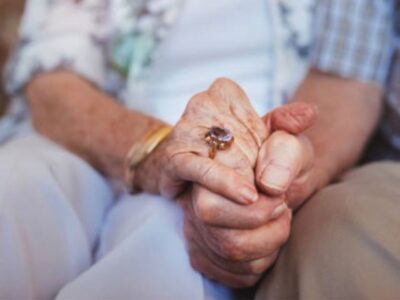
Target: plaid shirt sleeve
[354,38]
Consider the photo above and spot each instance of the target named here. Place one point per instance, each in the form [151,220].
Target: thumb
[282,158]
[293,117]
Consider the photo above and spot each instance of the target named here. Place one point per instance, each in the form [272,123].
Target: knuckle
[227,88]
[204,208]
[233,248]
[223,82]
[197,103]
[197,99]
[260,216]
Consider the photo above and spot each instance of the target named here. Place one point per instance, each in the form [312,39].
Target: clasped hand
[237,206]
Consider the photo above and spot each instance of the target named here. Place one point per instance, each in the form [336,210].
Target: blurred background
[10,12]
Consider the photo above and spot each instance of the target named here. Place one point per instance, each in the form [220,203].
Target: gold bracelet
[140,150]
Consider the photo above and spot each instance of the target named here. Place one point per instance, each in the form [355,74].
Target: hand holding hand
[182,157]
[232,243]
[285,164]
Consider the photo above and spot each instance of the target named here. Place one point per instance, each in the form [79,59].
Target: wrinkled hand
[232,243]
[182,157]
[286,163]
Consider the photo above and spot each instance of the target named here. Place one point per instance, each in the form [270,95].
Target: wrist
[141,149]
[323,174]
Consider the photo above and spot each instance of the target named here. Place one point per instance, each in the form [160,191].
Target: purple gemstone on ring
[220,134]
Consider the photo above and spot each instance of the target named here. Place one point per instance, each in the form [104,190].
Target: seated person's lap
[52,198]
[142,246]
[52,206]
[345,241]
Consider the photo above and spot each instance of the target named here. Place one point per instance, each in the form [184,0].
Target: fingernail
[279,210]
[258,266]
[276,177]
[250,195]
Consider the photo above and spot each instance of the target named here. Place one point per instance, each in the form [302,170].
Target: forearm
[348,112]
[70,111]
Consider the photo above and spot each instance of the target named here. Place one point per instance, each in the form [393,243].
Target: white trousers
[66,234]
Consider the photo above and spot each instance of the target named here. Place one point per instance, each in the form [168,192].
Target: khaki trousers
[345,242]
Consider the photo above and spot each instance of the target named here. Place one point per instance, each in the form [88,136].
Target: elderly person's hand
[228,241]
[234,244]
[182,157]
[285,163]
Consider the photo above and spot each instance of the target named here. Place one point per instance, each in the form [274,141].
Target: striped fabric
[360,39]
[354,38]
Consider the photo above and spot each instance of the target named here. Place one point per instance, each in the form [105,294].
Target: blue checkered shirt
[358,39]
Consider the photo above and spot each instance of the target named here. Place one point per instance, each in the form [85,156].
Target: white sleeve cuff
[76,53]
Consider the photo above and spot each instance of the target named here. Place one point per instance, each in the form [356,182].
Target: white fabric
[55,208]
[211,39]
[52,206]
[105,22]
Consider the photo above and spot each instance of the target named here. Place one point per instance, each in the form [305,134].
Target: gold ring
[218,139]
